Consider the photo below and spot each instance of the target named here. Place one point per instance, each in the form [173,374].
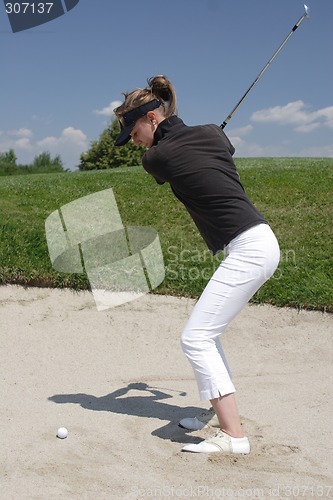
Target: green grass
[294,194]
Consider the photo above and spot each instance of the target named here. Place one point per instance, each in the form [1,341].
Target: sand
[120,383]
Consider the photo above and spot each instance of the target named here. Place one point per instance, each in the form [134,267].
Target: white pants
[251,259]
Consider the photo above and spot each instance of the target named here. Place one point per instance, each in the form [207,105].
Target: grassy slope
[295,195]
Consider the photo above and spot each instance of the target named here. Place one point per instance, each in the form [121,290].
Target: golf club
[306,14]
[181,393]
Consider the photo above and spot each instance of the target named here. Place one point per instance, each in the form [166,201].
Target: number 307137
[29,7]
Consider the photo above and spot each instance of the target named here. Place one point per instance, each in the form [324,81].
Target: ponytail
[159,87]
[163,90]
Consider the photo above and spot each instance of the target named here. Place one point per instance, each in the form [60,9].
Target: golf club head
[307,11]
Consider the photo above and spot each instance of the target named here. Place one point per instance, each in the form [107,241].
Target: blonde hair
[159,87]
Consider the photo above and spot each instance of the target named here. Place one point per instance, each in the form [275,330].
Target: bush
[42,164]
[8,163]
[103,154]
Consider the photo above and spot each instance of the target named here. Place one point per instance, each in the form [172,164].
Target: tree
[103,154]
[44,163]
[8,162]
[8,157]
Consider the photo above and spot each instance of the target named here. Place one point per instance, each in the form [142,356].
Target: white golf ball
[62,433]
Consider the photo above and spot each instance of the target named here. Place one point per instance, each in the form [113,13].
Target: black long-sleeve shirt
[197,163]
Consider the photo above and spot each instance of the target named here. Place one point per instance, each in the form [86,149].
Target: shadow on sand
[149,405]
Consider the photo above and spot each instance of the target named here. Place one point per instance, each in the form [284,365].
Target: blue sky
[60,81]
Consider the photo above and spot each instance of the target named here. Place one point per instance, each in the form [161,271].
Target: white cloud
[19,140]
[23,144]
[307,128]
[246,130]
[236,135]
[74,135]
[69,145]
[327,114]
[246,149]
[21,132]
[249,149]
[108,110]
[48,143]
[290,113]
[9,141]
[297,114]
[69,136]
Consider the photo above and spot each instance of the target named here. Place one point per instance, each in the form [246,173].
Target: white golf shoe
[206,419]
[220,443]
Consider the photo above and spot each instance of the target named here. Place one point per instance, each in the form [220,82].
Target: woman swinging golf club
[197,163]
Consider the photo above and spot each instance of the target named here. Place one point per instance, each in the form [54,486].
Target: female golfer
[197,163]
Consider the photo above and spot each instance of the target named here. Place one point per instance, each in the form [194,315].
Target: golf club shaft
[265,67]
[181,393]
